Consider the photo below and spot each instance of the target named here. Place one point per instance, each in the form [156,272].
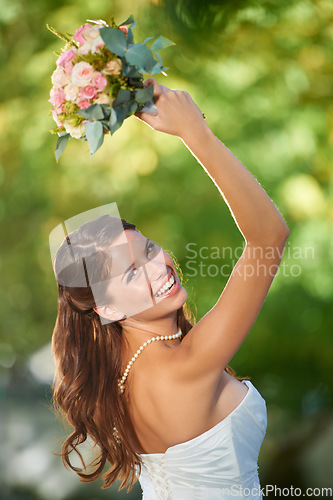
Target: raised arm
[213,341]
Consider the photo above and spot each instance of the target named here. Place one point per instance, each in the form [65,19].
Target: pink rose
[56,118]
[59,77]
[83,103]
[59,109]
[57,97]
[79,32]
[99,81]
[66,56]
[88,92]
[71,92]
[82,74]
[68,68]
[124,29]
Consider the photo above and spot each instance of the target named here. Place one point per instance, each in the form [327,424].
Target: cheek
[135,299]
[138,291]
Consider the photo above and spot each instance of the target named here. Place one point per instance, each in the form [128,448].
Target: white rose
[103,99]
[59,77]
[71,92]
[113,67]
[76,132]
[96,44]
[91,33]
[84,49]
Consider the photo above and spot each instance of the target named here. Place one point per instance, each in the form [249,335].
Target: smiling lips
[167,287]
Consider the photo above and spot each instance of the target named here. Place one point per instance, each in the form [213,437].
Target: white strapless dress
[220,463]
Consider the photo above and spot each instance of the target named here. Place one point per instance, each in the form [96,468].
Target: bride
[151,390]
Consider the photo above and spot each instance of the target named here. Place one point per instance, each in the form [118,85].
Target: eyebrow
[132,265]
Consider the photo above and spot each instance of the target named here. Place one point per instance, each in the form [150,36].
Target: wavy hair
[88,358]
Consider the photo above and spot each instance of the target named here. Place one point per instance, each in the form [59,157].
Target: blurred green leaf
[113,122]
[95,136]
[61,144]
[161,43]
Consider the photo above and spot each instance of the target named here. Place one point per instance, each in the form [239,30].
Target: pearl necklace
[121,383]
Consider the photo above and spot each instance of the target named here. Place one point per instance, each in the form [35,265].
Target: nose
[156,270]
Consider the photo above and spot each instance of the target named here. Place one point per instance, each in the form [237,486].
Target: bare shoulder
[168,409]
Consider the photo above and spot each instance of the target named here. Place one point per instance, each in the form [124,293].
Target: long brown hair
[88,357]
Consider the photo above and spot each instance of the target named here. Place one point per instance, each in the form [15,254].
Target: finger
[150,120]
[157,89]
[165,89]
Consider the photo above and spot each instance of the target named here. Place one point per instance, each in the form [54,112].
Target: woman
[155,393]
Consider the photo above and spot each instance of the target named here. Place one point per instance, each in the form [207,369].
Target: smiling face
[144,284]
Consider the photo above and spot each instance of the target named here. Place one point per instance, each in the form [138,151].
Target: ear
[109,313]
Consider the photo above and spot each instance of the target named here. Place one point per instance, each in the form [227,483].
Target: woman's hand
[177,112]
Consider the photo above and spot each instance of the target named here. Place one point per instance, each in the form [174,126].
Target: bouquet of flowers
[98,82]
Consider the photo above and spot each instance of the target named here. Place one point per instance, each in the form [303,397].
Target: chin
[175,301]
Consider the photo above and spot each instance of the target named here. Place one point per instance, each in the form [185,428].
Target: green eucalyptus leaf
[130,71]
[158,57]
[130,37]
[120,113]
[113,122]
[115,40]
[144,95]
[86,113]
[61,144]
[125,110]
[147,39]
[140,55]
[94,112]
[130,20]
[124,95]
[95,136]
[158,68]
[135,82]
[105,123]
[161,43]
[106,110]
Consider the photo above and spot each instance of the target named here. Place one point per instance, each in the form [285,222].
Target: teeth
[165,287]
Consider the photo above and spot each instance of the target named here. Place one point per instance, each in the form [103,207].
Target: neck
[136,332]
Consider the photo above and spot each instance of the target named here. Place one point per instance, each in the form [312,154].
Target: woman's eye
[150,251]
[150,248]
[131,274]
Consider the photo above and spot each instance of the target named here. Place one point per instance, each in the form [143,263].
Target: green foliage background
[262,73]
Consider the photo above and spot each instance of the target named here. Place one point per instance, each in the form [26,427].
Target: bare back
[165,411]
